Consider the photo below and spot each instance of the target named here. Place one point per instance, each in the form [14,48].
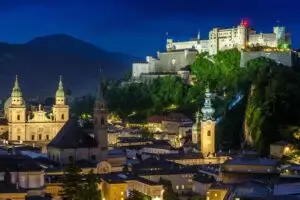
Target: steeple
[16,92]
[207,110]
[198,35]
[100,95]
[60,93]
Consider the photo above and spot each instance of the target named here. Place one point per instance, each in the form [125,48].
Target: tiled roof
[15,163]
[156,119]
[72,136]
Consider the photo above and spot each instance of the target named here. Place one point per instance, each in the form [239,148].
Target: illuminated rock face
[35,125]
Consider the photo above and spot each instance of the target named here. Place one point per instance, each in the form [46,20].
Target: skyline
[136,28]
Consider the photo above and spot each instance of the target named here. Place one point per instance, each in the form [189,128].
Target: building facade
[239,37]
[207,127]
[37,125]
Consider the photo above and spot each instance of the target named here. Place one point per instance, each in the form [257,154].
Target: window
[208,133]
[19,137]
[62,116]
[32,137]
[40,136]
[93,157]
[102,121]
[47,137]
[18,117]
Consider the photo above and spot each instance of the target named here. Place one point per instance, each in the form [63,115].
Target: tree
[72,182]
[169,193]
[90,189]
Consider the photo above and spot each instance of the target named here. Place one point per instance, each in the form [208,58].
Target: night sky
[138,27]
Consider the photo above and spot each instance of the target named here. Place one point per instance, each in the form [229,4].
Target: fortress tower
[207,141]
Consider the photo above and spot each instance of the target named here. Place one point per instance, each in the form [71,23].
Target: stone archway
[103,167]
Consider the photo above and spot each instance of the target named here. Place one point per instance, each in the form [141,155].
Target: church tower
[16,114]
[196,129]
[208,125]
[60,109]
[100,122]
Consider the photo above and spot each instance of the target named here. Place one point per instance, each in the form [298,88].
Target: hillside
[40,61]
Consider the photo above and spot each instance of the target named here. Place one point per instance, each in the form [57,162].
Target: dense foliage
[169,193]
[75,188]
[273,102]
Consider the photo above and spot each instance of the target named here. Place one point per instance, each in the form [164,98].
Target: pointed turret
[16,92]
[60,93]
[100,100]
[207,110]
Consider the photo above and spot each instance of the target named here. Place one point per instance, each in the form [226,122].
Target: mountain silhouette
[42,60]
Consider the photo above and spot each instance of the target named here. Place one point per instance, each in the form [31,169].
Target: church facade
[38,125]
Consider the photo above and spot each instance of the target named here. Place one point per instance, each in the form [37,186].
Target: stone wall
[285,58]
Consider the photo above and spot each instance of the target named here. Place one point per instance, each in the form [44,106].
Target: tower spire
[207,110]
[60,91]
[16,82]
[100,95]
[16,92]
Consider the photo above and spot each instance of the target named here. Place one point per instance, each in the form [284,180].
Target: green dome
[16,92]
[60,91]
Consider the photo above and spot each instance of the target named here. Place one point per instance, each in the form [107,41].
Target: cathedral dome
[7,103]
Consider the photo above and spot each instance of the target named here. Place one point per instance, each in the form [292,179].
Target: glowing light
[245,23]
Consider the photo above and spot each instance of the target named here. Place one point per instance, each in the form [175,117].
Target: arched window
[47,137]
[102,121]
[18,117]
[208,133]
[40,136]
[32,137]
[19,137]
[62,116]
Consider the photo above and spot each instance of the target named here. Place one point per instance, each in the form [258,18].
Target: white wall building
[237,37]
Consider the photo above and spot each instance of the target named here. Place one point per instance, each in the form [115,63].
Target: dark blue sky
[138,27]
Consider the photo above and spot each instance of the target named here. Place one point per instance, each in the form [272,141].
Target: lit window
[122,193]
[208,133]
[182,187]
[177,187]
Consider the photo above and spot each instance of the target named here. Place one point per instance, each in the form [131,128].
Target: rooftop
[18,163]
[73,136]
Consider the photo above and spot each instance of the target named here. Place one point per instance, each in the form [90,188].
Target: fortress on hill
[179,56]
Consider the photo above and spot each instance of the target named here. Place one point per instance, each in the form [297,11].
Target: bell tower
[196,129]
[16,114]
[208,123]
[60,109]
[100,122]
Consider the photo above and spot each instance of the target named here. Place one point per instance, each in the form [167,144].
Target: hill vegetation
[271,104]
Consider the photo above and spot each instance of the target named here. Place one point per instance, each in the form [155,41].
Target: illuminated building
[207,130]
[239,37]
[38,125]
